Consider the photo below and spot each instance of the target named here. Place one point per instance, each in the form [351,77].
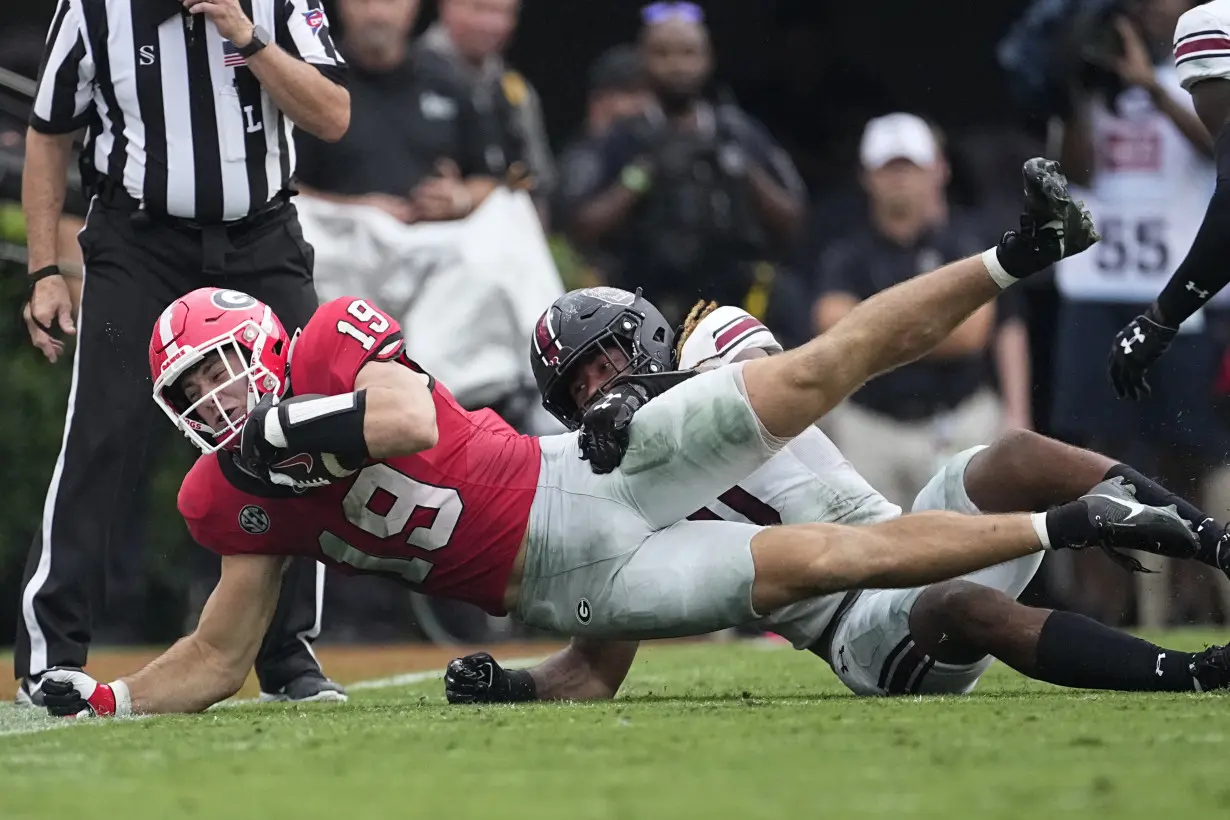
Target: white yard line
[40,723]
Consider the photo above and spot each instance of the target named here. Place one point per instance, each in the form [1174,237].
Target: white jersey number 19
[369,316]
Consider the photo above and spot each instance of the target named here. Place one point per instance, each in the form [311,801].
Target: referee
[189,111]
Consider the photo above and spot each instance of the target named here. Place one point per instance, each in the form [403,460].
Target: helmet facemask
[237,378]
[620,335]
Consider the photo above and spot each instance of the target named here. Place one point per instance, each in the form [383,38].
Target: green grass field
[705,731]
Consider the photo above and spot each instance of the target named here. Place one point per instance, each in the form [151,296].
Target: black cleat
[1214,545]
[1122,522]
[1211,669]
[1050,210]
[1053,227]
[30,693]
[311,687]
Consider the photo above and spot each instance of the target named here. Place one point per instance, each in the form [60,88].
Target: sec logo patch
[253,520]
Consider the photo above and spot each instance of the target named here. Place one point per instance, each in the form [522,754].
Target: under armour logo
[1137,336]
[1200,293]
[605,403]
[1159,663]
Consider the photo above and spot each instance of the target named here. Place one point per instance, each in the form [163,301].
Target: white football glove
[72,693]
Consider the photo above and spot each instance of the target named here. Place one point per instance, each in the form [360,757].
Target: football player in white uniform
[1202,59]
[937,639]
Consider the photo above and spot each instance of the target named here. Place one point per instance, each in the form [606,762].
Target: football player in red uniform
[337,446]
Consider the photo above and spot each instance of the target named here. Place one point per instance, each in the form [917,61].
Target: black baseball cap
[618,69]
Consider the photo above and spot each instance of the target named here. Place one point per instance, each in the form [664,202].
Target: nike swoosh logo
[1134,509]
[302,460]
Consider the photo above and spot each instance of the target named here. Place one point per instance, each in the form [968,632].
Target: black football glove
[604,427]
[256,454]
[478,678]
[1134,351]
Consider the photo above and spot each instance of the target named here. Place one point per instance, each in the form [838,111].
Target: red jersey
[447,521]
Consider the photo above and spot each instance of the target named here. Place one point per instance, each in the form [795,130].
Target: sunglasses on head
[656,13]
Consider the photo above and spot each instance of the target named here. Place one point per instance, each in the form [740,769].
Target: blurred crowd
[673,184]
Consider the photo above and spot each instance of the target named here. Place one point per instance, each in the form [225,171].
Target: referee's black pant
[134,267]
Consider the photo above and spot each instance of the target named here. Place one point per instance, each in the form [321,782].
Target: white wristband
[1039,522]
[1002,278]
[123,698]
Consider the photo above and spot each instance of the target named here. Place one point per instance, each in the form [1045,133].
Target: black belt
[824,646]
[115,196]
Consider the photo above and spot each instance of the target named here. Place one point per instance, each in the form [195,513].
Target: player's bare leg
[791,391]
[1024,471]
[960,622]
[802,561]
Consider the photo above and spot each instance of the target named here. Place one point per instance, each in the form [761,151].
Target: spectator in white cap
[900,426]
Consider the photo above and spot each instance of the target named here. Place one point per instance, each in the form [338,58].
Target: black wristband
[43,273]
[34,278]
[521,686]
[326,424]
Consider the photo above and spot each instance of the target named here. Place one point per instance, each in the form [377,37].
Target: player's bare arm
[896,326]
[790,392]
[400,417]
[389,414]
[201,669]
[42,197]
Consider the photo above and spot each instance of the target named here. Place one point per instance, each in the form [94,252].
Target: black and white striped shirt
[173,112]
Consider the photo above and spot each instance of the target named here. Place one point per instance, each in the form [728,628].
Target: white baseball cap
[898,136]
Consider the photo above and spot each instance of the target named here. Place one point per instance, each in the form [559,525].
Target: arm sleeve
[1201,46]
[341,337]
[1203,272]
[64,99]
[303,32]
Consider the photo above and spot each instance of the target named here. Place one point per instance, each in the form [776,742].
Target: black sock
[1069,526]
[1080,652]
[1150,492]
[1154,494]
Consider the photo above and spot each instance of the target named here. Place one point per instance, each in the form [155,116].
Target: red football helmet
[252,350]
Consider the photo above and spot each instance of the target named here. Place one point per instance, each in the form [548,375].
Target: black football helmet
[586,323]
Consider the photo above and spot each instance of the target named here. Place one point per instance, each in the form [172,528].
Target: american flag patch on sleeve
[231,56]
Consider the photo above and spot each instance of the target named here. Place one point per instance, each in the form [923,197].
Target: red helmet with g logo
[228,330]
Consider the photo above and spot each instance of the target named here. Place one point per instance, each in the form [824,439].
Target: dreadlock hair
[695,316]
